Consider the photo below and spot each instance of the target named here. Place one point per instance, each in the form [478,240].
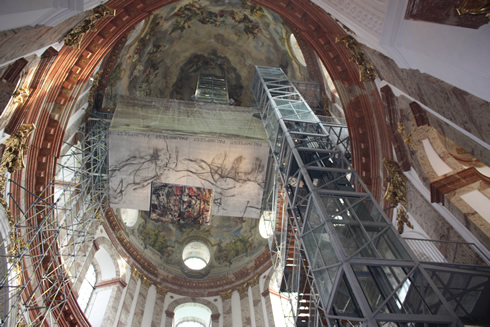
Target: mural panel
[180,204]
[222,150]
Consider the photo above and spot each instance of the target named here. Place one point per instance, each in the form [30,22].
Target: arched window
[192,315]
[87,288]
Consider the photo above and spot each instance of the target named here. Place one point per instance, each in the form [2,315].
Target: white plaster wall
[478,201]
[106,264]
[453,54]
[99,307]
[456,55]
[21,13]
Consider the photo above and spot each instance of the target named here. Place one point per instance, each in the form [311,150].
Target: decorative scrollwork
[13,157]
[75,37]
[226,295]
[21,95]
[407,138]
[396,192]
[13,160]
[396,189]
[367,72]
[402,220]
[474,7]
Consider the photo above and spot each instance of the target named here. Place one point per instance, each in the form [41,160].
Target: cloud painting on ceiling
[164,56]
[233,242]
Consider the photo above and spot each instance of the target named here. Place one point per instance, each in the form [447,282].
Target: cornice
[51,108]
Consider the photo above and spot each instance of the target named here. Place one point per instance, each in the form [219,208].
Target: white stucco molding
[21,13]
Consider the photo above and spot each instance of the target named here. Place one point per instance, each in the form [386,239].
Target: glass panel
[310,241]
[367,211]
[466,293]
[324,280]
[313,219]
[352,238]
[345,303]
[389,246]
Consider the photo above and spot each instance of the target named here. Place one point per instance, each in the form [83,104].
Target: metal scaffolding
[50,238]
[343,262]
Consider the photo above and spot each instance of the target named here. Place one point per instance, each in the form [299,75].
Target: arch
[120,265]
[215,312]
[51,109]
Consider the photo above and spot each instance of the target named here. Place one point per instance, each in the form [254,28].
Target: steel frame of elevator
[362,273]
[49,240]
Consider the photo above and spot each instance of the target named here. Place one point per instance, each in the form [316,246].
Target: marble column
[257,305]
[127,301]
[245,309]
[149,306]
[140,304]
[227,312]
[268,316]
[134,303]
[158,312]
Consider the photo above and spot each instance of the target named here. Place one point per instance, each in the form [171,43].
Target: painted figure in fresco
[184,205]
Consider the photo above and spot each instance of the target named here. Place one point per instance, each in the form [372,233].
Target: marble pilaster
[257,306]
[128,299]
[245,306]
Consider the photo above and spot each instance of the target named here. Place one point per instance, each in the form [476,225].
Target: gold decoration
[13,160]
[145,282]
[366,69]
[402,220]
[407,138]
[474,7]
[21,95]
[254,281]
[136,273]
[396,190]
[75,37]
[226,295]
[243,289]
[161,290]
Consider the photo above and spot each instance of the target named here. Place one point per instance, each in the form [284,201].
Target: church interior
[244,163]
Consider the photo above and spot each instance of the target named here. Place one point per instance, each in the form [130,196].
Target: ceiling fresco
[166,53]
[233,242]
[163,58]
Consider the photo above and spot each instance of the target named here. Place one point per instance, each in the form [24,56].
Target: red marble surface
[442,12]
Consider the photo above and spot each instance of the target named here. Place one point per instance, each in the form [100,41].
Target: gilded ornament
[13,160]
[474,7]
[402,220]
[367,72]
[161,290]
[396,192]
[396,189]
[243,289]
[76,35]
[21,95]
[407,138]
[226,295]
[136,273]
